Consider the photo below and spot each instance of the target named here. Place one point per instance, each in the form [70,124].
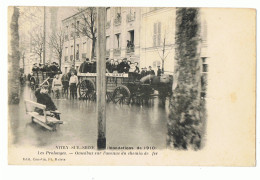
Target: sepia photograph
[115,85]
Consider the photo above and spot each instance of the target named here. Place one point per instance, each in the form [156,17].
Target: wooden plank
[42,124]
[37,116]
[41,106]
[52,120]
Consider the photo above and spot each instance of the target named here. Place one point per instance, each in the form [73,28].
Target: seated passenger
[44,98]
[115,68]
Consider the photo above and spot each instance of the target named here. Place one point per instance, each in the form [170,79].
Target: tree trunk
[93,48]
[60,61]
[13,60]
[184,126]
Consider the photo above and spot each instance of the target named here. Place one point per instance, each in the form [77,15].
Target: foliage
[185,125]
[13,59]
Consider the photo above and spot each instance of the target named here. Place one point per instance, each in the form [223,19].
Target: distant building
[144,35]
[158,33]
[122,37]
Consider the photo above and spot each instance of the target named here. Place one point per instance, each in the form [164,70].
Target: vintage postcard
[131,86]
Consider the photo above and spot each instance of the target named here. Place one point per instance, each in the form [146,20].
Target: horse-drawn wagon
[124,88]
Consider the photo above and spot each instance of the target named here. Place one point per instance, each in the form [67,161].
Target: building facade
[122,37]
[158,37]
[144,35]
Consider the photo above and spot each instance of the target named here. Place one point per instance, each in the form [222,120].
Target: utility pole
[101,77]
[163,56]
[74,43]
[44,33]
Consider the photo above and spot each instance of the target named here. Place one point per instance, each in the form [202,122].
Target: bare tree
[162,52]
[14,59]
[37,44]
[56,41]
[87,25]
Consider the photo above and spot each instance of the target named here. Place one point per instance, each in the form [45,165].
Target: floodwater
[126,125]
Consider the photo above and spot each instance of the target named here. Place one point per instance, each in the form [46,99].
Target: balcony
[117,20]
[107,53]
[117,52]
[66,58]
[71,57]
[130,17]
[130,49]
[108,24]
[84,55]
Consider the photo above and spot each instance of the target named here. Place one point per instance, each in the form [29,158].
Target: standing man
[72,69]
[150,71]
[159,71]
[82,68]
[73,85]
[65,84]
[56,86]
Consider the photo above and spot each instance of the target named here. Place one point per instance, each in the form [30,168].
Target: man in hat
[143,72]
[72,69]
[150,71]
[44,98]
[35,68]
[120,67]
[125,66]
[93,66]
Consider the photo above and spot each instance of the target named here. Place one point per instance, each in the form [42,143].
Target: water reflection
[127,125]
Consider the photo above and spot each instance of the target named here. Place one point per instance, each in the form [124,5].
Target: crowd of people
[50,69]
[118,66]
[67,83]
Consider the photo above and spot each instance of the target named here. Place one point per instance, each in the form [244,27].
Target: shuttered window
[157,34]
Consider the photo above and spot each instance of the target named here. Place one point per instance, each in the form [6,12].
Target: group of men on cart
[118,66]
[50,69]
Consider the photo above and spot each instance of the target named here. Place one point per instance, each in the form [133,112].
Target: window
[157,34]
[66,70]
[117,41]
[71,50]
[77,52]
[77,25]
[108,14]
[66,51]
[156,63]
[84,47]
[131,36]
[107,43]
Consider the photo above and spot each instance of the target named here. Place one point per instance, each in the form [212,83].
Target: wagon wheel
[121,95]
[87,89]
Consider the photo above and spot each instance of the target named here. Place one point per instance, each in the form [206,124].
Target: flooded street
[126,125]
